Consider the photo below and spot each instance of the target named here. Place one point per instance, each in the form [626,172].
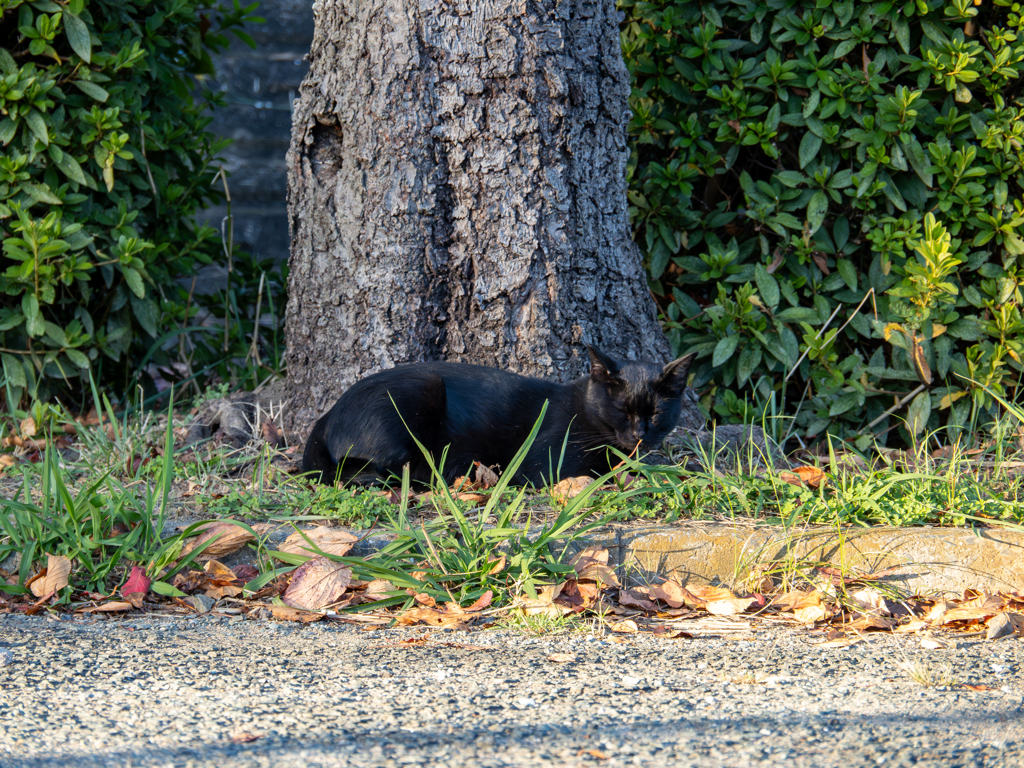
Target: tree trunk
[457,191]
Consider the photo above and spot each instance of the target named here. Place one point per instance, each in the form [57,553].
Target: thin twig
[896,407]
[853,314]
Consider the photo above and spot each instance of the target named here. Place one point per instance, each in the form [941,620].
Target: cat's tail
[316,458]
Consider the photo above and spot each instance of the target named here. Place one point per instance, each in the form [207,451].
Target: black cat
[485,414]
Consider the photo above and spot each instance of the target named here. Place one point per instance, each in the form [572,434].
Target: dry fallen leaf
[570,487]
[796,599]
[286,613]
[811,613]
[58,568]
[812,477]
[624,627]
[108,607]
[28,427]
[272,434]
[591,564]
[671,593]
[485,477]
[330,540]
[481,602]
[226,538]
[243,738]
[433,617]
[593,753]
[729,607]
[317,583]
[562,658]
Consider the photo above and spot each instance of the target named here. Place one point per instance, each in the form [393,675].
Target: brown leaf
[317,583]
[244,738]
[778,259]
[432,617]
[971,687]
[28,427]
[481,602]
[664,632]
[819,259]
[735,125]
[707,593]
[625,627]
[596,752]
[272,434]
[108,607]
[630,598]
[811,613]
[794,600]
[378,589]
[423,598]
[226,538]
[871,621]
[7,460]
[729,607]
[562,491]
[286,613]
[485,477]
[330,540]
[671,592]
[591,564]
[812,477]
[562,658]
[58,568]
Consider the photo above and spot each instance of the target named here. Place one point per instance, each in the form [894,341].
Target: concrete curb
[917,560]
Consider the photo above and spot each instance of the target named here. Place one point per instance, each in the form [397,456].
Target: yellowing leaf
[317,583]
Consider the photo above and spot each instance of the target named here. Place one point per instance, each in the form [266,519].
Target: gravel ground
[188,692]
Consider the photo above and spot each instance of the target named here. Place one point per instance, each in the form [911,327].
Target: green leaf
[848,272]
[14,371]
[7,65]
[91,89]
[37,125]
[78,37]
[69,167]
[55,334]
[77,357]
[767,287]
[167,590]
[816,210]
[798,315]
[843,403]
[724,349]
[134,280]
[809,146]
[40,192]
[902,30]
[918,412]
[750,358]
[791,178]
[7,130]
[148,315]
[34,324]
[917,158]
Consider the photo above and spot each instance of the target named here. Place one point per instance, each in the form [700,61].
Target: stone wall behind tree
[259,87]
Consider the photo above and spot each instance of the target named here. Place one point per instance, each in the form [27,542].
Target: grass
[929,675]
[106,501]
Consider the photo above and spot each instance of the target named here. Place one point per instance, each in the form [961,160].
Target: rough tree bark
[457,191]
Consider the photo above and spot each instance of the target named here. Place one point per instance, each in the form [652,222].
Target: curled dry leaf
[330,540]
[811,613]
[481,602]
[433,617]
[58,568]
[28,427]
[671,593]
[562,658]
[633,598]
[317,583]
[570,487]
[286,613]
[7,460]
[272,434]
[729,607]
[226,538]
[812,477]
[795,600]
[591,564]
[484,477]
[378,589]
[244,738]
[110,607]
[624,627]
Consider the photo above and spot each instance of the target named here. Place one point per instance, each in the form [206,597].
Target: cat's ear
[603,369]
[673,376]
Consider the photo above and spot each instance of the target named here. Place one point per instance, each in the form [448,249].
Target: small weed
[541,624]
[928,675]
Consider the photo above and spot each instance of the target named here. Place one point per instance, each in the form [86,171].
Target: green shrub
[790,157]
[106,161]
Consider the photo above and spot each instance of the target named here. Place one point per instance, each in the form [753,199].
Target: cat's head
[635,403]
